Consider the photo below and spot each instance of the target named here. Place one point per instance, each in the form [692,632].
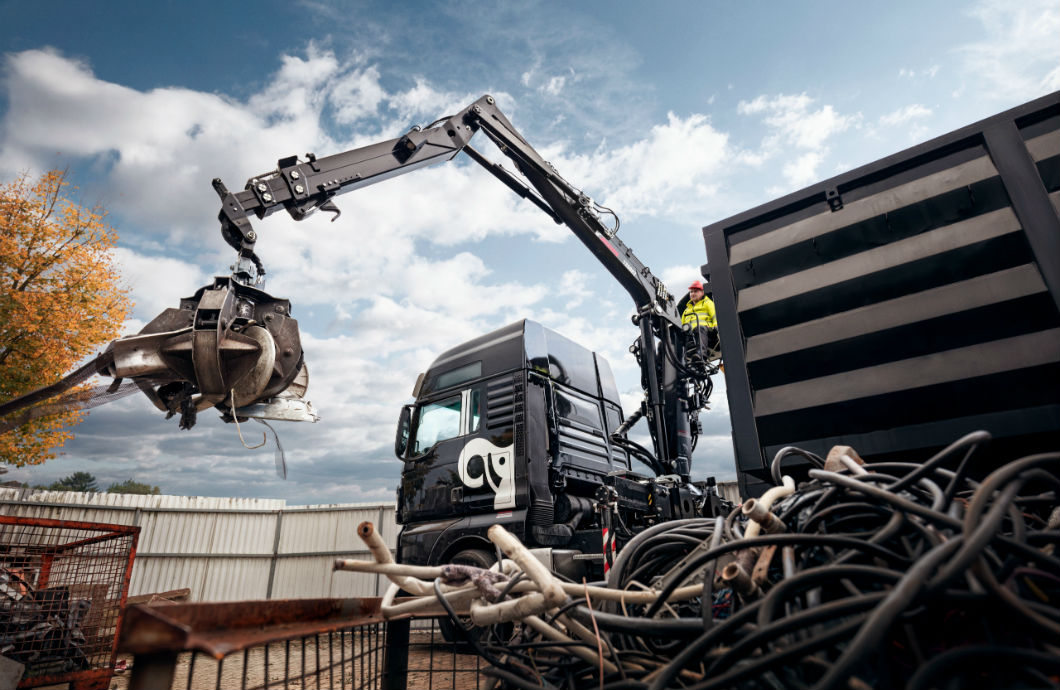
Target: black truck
[523,427]
[900,305]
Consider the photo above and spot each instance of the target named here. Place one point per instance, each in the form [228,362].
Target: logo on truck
[481,462]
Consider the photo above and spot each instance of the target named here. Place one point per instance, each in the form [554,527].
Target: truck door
[454,468]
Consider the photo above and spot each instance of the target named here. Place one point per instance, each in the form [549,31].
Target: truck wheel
[475,557]
[479,559]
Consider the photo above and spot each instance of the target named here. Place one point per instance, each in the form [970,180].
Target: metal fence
[225,549]
[304,643]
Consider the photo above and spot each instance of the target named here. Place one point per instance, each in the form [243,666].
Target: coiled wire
[890,575]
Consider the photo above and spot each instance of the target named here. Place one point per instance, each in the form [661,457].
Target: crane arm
[303,186]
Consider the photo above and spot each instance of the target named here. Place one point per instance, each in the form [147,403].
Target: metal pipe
[366,531]
[531,604]
[737,576]
[534,569]
[767,499]
[422,572]
[762,517]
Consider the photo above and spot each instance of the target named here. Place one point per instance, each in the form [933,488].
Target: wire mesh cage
[346,658]
[295,643]
[62,587]
[421,655]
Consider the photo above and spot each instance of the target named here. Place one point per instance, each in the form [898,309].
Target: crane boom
[303,186]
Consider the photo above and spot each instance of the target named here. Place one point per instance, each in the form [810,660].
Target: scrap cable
[889,575]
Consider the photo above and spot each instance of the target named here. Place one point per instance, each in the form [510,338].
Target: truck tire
[478,558]
[475,557]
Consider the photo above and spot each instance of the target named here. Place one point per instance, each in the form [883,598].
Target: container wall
[901,305]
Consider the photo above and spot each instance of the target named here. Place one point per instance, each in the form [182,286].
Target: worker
[699,312]
[701,320]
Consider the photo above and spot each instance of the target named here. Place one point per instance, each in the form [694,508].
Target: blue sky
[675,114]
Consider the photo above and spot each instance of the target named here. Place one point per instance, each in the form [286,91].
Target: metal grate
[62,587]
[348,658]
[431,660]
[297,643]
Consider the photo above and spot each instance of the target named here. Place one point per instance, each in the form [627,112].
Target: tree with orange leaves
[60,299]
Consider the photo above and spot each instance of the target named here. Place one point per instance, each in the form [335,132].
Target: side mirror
[401,439]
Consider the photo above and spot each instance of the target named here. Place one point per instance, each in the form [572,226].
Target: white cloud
[678,278]
[794,121]
[422,100]
[905,114]
[677,165]
[574,287]
[1051,81]
[157,282]
[1018,59]
[357,95]
[803,170]
[929,72]
[155,151]
[555,85]
[294,94]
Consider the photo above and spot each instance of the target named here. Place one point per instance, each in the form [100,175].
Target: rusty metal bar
[219,629]
[261,644]
[68,524]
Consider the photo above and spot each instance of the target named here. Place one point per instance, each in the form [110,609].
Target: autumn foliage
[60,300]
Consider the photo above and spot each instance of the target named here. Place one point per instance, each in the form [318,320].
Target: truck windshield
[437,421]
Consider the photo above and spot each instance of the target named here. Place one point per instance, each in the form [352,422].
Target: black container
[900,305]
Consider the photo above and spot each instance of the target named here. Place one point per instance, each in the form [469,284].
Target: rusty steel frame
[156,635]
[95,678]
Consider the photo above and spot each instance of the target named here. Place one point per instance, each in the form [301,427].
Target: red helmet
[696,285]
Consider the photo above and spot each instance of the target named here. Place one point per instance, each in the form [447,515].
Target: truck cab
[512,428]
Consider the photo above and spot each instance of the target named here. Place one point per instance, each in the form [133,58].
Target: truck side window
[437,421]
[475,412]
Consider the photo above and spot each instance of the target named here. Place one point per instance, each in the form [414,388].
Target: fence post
[380,528]
[275,553]
[151,671]
[396,663]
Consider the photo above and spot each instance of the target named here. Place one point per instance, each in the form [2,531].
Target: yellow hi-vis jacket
[700,314]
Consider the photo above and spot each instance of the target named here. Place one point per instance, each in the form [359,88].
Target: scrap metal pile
[884,575]
[41,628]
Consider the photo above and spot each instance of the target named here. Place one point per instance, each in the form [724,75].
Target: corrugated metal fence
[225,549]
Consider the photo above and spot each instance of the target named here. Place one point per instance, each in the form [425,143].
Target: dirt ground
[338,663]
